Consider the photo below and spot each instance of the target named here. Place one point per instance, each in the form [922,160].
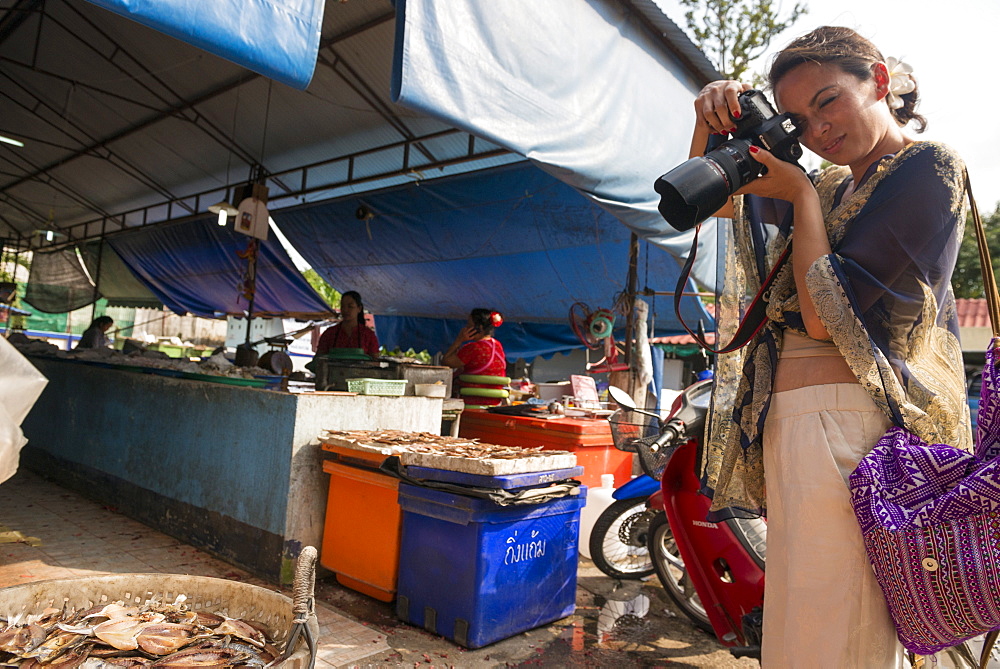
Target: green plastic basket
[377,386]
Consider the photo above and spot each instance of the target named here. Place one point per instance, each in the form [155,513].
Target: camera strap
[756,314]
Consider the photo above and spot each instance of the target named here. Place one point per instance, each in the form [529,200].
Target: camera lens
[690,192]
[697,188]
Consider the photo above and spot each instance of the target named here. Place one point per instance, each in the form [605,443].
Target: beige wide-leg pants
[823,608]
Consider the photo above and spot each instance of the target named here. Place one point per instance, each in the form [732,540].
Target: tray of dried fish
[488,459]
[161,621]
[458,454]
[387,442]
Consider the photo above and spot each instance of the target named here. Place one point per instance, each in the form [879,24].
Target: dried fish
[165,638]
[116,636]
[20,639]
[72,657]
[200,657]
[129,662]
[206,619]
[255,657]
[76,629]
[55,645]
[242,630]
[120,633]
[114,611]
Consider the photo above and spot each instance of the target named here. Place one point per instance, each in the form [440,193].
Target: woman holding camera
[862,333]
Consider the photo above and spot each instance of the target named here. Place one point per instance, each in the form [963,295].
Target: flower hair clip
[900,81]
[496,319]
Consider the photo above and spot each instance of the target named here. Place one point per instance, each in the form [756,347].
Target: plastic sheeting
[578,87]
[115,281]
[512,239]
[20,386]
[276,38]
[58,282]
[194,268]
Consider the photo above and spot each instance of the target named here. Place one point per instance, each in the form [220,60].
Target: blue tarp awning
[194,268]
[276,38]
[512,239]
[584,89]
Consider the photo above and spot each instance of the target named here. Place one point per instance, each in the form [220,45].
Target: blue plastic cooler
[476,572]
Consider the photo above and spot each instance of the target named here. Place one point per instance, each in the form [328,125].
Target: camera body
[697,188]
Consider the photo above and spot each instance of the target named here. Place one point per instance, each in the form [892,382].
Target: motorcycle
[713,571]
[619,536]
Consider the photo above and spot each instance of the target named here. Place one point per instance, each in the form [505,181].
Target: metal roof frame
[116,95]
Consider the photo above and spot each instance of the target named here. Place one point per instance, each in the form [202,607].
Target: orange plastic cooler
[589,438]
[361,532]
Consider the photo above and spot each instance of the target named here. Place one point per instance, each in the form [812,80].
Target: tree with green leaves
[325,290]
[967,281]
[732,33]
[9,263]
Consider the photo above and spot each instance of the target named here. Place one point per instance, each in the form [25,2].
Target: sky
[952,46]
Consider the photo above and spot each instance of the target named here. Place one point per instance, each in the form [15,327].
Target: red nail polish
[737,114]
[754,149]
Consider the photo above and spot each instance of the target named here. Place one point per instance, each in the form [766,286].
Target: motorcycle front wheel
[618,541]
[670,569]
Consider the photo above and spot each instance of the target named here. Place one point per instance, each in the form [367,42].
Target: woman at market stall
[476,353]
[351,331]
[861,334]
[95,336]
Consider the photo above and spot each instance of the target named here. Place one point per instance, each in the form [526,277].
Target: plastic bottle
[598,499]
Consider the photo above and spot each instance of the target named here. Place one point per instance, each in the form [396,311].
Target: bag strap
[756,314]
[986,264]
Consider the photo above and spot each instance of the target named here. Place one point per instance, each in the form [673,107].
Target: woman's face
[843,119]
[349,309]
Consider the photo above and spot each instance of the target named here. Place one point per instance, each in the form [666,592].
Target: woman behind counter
[475,351]
[351,331]
[95,336]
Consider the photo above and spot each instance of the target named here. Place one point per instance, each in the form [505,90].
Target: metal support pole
[251,282]
[97,279]
[631,283]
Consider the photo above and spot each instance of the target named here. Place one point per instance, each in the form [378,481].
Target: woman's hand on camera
[783,181]
[718,104]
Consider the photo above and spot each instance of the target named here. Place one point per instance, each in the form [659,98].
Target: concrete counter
[236,471]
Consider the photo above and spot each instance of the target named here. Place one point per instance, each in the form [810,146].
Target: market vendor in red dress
[351,331]
[476,352]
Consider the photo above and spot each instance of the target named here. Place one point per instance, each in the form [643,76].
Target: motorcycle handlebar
[670,432]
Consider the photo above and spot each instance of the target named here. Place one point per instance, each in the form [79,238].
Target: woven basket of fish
[162,621]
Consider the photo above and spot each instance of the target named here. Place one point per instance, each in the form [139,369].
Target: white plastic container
[598,499]
[552,392]
[429,389]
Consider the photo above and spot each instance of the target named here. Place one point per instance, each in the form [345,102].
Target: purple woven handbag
[930,517]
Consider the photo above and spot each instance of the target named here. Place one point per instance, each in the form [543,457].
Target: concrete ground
[48,532]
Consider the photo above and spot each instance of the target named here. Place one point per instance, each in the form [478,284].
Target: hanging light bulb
[224,210]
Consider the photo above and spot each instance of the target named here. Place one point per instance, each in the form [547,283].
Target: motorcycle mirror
[623,399]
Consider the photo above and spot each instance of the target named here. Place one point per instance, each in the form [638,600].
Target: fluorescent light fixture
[223,207]
[48,234]
[8,140]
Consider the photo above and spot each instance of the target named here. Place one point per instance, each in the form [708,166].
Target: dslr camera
[697,188]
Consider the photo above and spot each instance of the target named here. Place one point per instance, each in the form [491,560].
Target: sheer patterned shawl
[884,295]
